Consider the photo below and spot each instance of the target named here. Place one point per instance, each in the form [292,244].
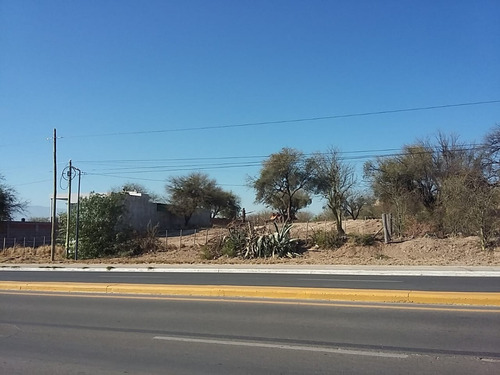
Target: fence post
[194,237]
[390,225]
[206,236]
[43,240]
[166,239]
[180,239]
[14,242]
[307,231]
[4,243]
[387,231]
[34,242]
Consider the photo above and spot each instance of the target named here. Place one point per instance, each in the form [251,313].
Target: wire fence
[191,237]
[180,238]
[33,242]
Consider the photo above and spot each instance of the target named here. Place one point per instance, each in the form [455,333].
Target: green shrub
[102,231]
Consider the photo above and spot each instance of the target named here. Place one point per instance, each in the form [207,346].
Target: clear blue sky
[130,85]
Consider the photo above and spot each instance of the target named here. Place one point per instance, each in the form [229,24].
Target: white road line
[490,360]
[284,346]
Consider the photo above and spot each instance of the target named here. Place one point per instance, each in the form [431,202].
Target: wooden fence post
[390,225]
[180,239]
[386,222]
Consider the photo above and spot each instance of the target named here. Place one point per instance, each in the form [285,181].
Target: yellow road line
[351,304]
[296,293]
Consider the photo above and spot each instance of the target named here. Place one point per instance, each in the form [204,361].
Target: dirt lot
[456,251]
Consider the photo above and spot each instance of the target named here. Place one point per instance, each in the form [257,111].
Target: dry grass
[457,251]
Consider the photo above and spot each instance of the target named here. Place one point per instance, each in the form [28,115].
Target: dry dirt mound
[456,251]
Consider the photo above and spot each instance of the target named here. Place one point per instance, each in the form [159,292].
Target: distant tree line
[439,187]
[447,186]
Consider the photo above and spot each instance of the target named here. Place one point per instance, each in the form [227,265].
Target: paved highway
[425,283]
[85,334]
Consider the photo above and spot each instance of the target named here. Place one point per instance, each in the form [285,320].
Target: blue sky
[138,89]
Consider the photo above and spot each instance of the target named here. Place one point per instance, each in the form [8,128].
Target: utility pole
[54,200]
[77,213]
[68,219]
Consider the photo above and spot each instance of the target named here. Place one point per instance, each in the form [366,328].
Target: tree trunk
[340,230]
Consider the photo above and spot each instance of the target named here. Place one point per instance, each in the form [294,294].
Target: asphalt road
[83,334]
[425,283]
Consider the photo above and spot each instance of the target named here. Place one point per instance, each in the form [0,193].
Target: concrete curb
[321,294]
[451,271]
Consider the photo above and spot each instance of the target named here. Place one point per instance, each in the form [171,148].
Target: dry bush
[415,228]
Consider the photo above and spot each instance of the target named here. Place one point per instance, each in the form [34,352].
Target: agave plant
[283,245]
[277,244]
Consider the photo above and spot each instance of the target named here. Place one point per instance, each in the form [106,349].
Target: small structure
[141,213]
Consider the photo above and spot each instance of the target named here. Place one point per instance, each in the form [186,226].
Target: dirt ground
[422,251]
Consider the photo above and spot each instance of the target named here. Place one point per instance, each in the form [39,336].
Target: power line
[219,157]
[148,179]
[120,172]
[33,182]
[298,120]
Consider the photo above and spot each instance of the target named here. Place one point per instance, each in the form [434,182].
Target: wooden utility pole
[54,200]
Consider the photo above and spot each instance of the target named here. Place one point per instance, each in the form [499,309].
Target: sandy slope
[454,251]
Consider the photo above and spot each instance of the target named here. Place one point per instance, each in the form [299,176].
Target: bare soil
[421,251]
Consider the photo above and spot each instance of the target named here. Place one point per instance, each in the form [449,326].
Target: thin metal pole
[68,219]
[77,214]
[54,198]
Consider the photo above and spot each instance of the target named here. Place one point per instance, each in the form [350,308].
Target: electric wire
[289,121]
[122,171]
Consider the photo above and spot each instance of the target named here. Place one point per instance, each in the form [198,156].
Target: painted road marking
[385,306]
[491,360]
[284,347]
